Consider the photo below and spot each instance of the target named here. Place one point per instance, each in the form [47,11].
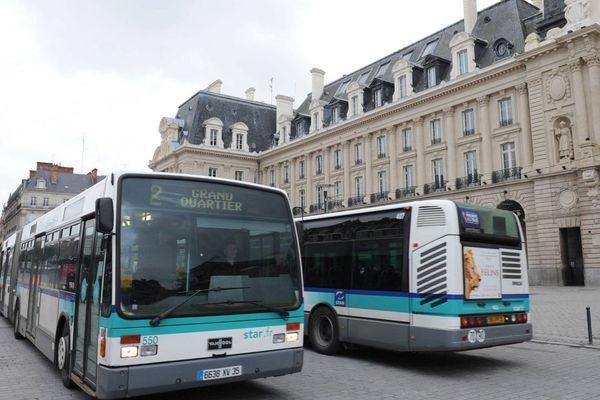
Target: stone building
[46,187]
[499,109]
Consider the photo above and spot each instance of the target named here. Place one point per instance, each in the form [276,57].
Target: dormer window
[239,135]
[378,97]
[463,62]
[335,115]
[213,132]
[40,184]
[402,86]
[239,141]
[429,48]
[213,137]
[354,105]
[382,69]
[300,129]
[316,121]
[431,77]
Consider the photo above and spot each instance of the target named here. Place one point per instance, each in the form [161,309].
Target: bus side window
[68,262]
[107,282]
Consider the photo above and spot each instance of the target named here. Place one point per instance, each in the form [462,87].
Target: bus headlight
[129,351]
[149,350]
[279,338]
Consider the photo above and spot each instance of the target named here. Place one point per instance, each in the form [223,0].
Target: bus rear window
[492,225]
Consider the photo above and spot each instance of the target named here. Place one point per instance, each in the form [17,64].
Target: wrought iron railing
[405,192]
[468,181]
[506,174]
[356,201]
[437,186]
[380,197]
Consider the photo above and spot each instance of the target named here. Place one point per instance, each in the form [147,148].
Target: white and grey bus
[431,275]
[150,282]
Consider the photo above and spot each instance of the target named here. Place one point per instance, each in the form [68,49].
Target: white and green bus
[124,287]
[431,275]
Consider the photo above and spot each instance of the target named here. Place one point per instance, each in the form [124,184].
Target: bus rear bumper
[426,339]
[114,383]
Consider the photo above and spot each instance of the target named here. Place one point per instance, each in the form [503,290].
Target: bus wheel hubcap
[325,331]
[62,349]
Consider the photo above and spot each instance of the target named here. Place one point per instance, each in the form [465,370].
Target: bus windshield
[233,245]
[491,225]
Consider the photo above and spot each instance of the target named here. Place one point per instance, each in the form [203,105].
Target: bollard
[589,325]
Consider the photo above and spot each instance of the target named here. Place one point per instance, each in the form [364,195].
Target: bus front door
[87,305]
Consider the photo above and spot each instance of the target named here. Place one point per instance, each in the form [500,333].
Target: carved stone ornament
[577,14]
[532,41]
[591,180]
[557,87]
[567,199]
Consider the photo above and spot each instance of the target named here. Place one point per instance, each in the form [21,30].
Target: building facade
[498,110]
[46,187]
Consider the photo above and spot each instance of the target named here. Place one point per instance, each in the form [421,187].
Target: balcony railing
[380,155]
[469,180]
[405,192]
[318,207]
[406,149]
[380,197]
[436,140]
[437,186]
[506,174]
[356,201]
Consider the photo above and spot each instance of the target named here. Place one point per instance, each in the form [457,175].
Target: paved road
[529,370]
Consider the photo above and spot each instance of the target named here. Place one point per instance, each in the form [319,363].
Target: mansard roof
[503,20]
[258,117]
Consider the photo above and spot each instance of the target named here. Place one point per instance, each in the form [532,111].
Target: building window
[302,195]
[437,167]
[408,176]
[213,137]
[239,175]
[407,139]
[239,141]
[429,48]
[40,184]
[382,181]
[33,201]
[378,97]
[509,159]
[358,186]
[471,166]
[468,118]
[431,77]
[301,169]
[316,121]
[505,110]
[358,153]
[46,202]
[381,147]
[335,115]
[354,105]
[463,62]
[286,174]
[337,159]
[436,131]
[402,86]
[212,172]
[300,129]
[272,172]
[337,190]
[320,196]
[319,164]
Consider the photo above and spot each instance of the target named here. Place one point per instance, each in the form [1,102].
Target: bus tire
[63,357]
[324,332]
[16,332]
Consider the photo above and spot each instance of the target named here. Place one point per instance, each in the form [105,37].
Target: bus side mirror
[104,215]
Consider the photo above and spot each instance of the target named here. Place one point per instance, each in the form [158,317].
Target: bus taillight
[130,346]
[102,349]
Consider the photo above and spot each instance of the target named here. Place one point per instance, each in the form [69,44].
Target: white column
[292,172]
[420,143]
[346,160]
[451,144]
[524,119]
[309,180]
[593,63]
[393,152]
[581,123]
[368,164]
[486,138]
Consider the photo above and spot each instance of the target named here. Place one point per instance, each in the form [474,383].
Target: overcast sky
[110,70]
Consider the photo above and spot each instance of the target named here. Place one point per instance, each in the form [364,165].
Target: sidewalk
[558,314]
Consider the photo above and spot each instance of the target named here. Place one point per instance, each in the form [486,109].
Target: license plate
[495,319]
[219,373]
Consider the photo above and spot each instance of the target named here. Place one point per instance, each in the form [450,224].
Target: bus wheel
[62,357]
[16,333]
[324,332]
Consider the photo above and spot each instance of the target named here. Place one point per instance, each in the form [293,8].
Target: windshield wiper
[282,313]
[156,320]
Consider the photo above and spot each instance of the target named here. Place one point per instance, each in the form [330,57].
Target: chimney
[93,176]
[285,106]
[54,176]
[215,87]
[470,10]
[250,93]
[32,173]
[318,81]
